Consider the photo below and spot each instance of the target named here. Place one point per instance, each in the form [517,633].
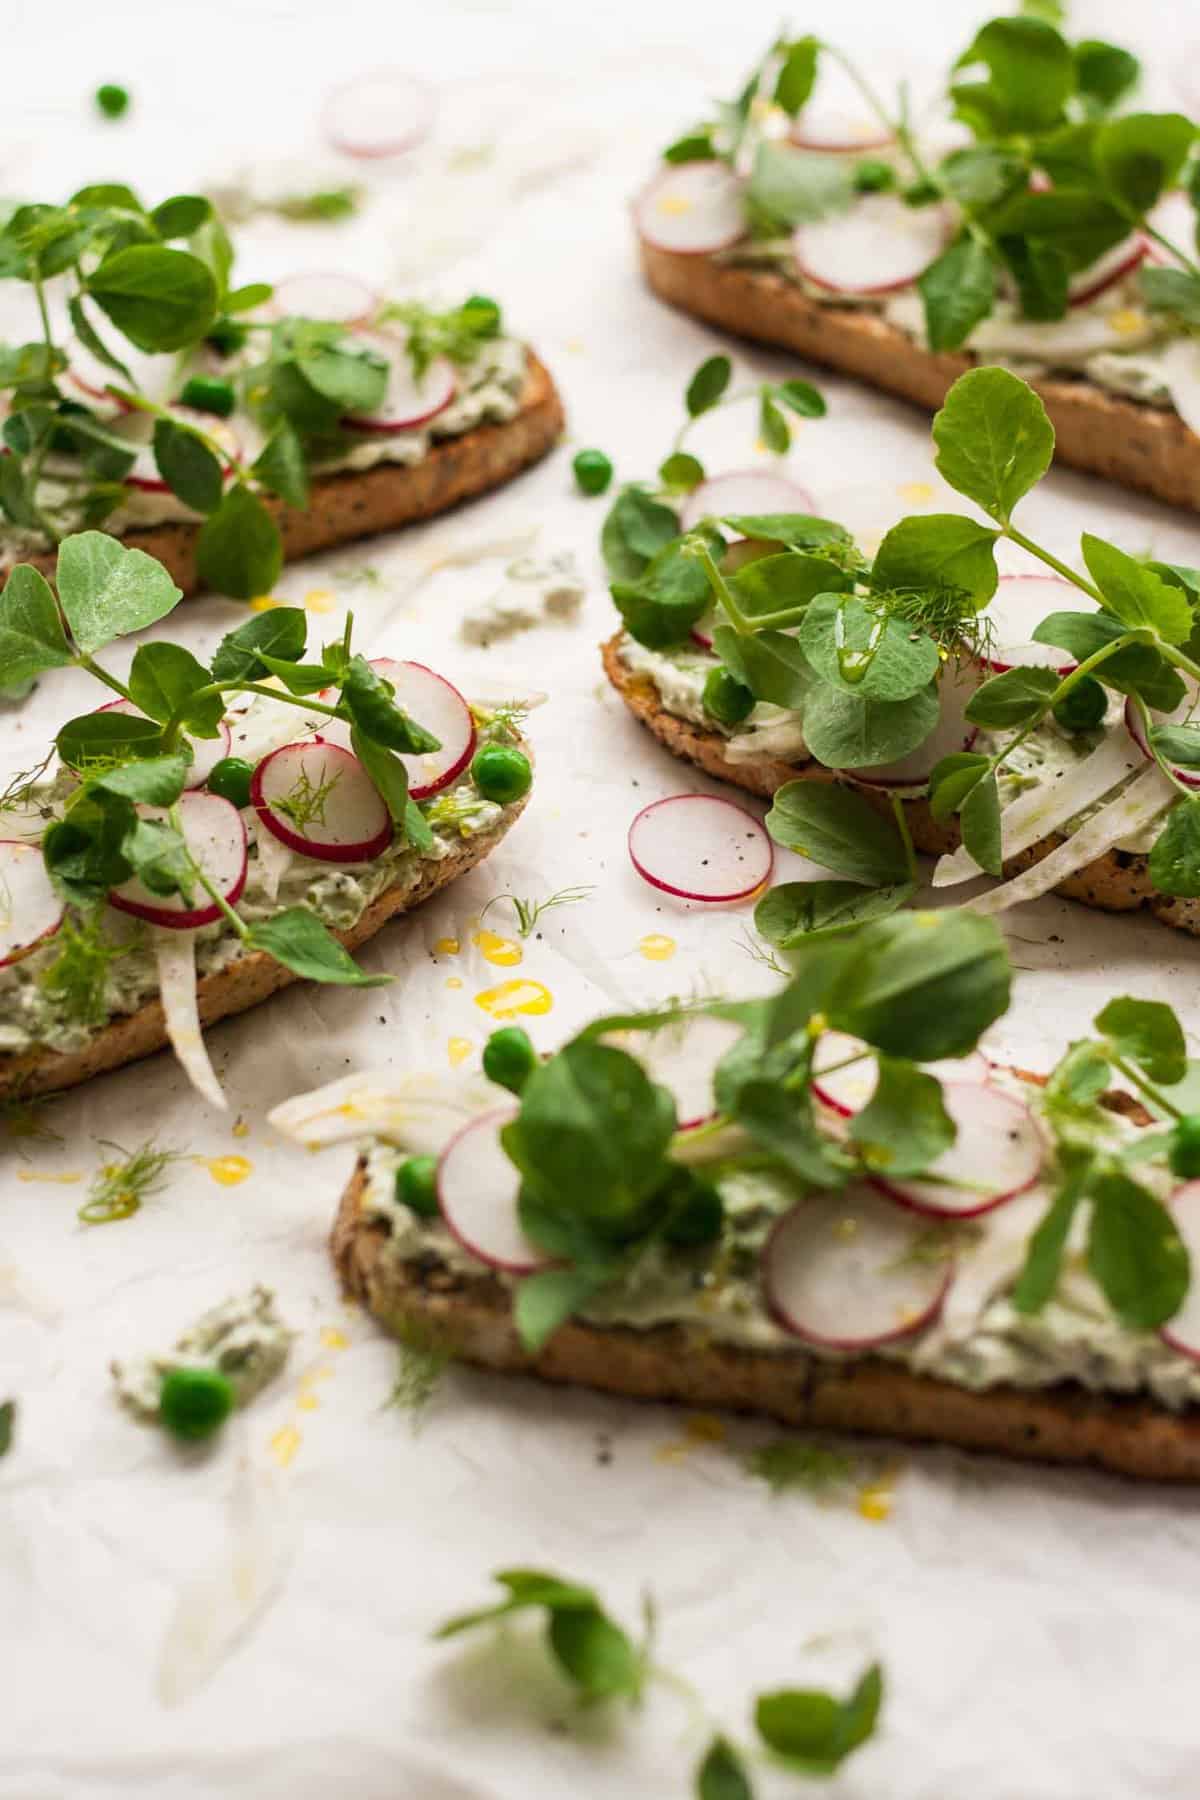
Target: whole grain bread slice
[1116,882]
[235,988]
[359,503]
[1144,447]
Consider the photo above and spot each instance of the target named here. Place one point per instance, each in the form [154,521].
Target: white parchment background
[255,1624]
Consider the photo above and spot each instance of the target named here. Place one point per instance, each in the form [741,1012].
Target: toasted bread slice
[1144,447]
[471,1316]
[241,984]
[361,503]
[1116,882]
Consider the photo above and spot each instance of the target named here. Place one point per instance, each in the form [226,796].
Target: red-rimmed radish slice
[145,475]
[748,550]
[216,840]
[477,1189]
[175,959]
[207,752]
[327,295]
[878,246]
[699,848]
[383,114]
[1180,363]
[683,1057]
[1175,217]
[704,627]
[1187,712]
[997,1154]
[1017,608]
[1029,656]
[953,731]
[1182,1332]
[744,491]
[30,910]
[408,402]
[1088,284]
[847,1090]
[693,208]
[434,703]
[319,800]
[838,131]
[91,380]
[838,1271]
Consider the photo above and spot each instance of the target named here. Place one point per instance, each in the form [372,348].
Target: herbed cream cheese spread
[243,1339]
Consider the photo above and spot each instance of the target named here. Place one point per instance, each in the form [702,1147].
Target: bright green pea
[230,778]
[593,471]
[193,1403]
[416,1185]
[873,176]
[509,1058]
[1082,707]
[112,100]
[210,394]
[725,698]
[501,773]
[227,336]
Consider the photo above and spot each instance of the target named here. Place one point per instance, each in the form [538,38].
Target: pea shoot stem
[1009,530]
[1144,1086]
[905,836]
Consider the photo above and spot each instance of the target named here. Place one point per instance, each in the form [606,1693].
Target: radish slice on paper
[693,208]
[379,115]
[957,683]
[879,245]
[30,910]
[175,957]
[683,1057]
[434,703]
[1088,284]
[996,1155]
[1188,711]
[319,800]
[407,402]
[477,1188]
[1017,608]
[838,1270]
[744,491]
[847,1090]
[206,752]
[216,839]
[145,476]
[336,298]
[699,848]
[838,131]
[1182,1331]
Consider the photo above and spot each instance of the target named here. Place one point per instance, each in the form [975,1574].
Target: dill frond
[759,953]
[528,912]
[78,976]
[21,790]
[789,1463]
[118,1188]
[305,803]
[420,1365]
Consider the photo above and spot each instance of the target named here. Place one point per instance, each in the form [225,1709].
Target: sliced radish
[407,402]
[91,379]
[879,245]
[318,799]
[327,295]
[838,130]
[1107,270]
[216,840]
[206,752]
[379,115]
[1180,362]
[1182,1331]
[1029,656]
[1185,713]
[704,627]
[847,1090]
[683,1057]
[744,491]
[175,959]
[838,1271]
[1017,608]
[440,708]
[477,1188]
[30,910]
[997,1154]
[700,848]
[144,474]
[692,208]
[748,550]
[953,731]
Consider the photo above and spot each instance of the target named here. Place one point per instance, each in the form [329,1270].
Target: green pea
[210,394]
[1082,707]
[725,698]
[227,336]
[112,100]
[873,176]
[416,1185]
[231,778]
[593,471]
[501,773]
[193,1403]
[509,1058]
[1183,1153]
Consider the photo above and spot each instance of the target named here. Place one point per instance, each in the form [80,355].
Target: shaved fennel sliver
[418,1112]
[274,859]
[175,956]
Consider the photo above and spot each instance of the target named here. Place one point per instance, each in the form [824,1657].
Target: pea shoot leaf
[812,1731]
[150,781]
[160,299]
[297,939]
[707,385]
[107,591]
[1043,1258]
[547,1300]
[660,605]
[797,75]
[994,441]
[187,465]
[1135,594]
[370,700]
[103,735]
[162,679]
[958,290]
[938,551]
[590,1648]
[239,551]
[789,187]
[280,465]
[1146,1032]
[798,912]
[1138,669]
[904,1126]
[1030,77]
[856,647]
[1104,73]
[952,780]
[922,985]
[1175,855]
[838,829]
[636,529]
[280,632]
[980,819]
[722,1774]
[770,663]
[1140,155]
[1135,1252]
[1014,698]
[852,731]
[32,639]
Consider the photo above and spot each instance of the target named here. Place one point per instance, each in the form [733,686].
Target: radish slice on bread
[838,1271]
[145,473]
[878,246]
[477,1189]
[206,752]
[692,208]
[433,702]
[30,909]
[838,131]
[847,1089]
[1187,712]
[1088,284]
[327,295]
[319,800]
[956,684]
[996,1155]
[216,840]
[744,491]
[409,401]
[683,1057]
[699,848]
[383,114]
[1017,608]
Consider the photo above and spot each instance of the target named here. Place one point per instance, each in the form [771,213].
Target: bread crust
[363,502]
[472,1317]
[234,989]
[1144,447]
[1119,881]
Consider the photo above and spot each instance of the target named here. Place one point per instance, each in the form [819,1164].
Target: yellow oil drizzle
[454,981]
[458,1049]
[447,947]
[657,947]
[915,493]
[226,1171]
[285,1444]
[333,1339]
[264,603]
[307,1401]
[674,205]
[512,998]
[876,1498]
[320,600]
[1126,321]
[240,1128]
[63,1180]
[502,951]
[698,1430]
